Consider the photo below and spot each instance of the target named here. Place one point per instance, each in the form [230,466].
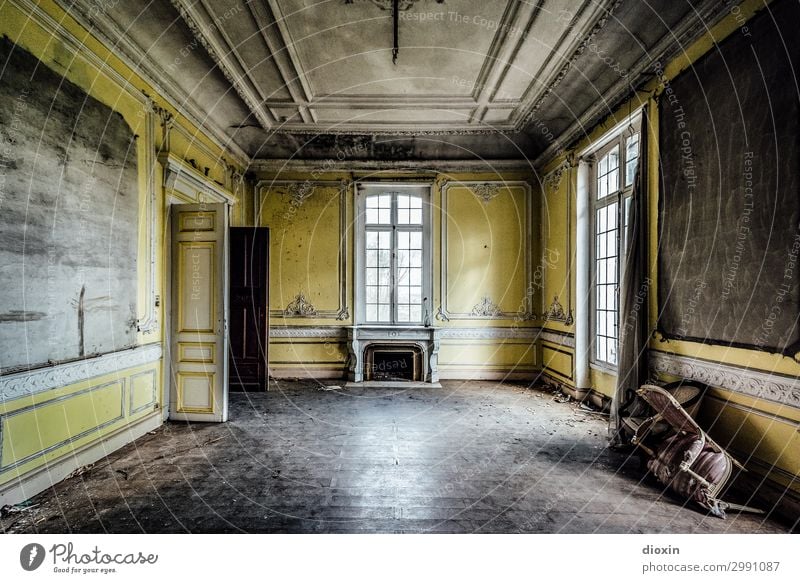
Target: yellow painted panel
[196,286]
[472,355]
[199,221]
[30,431]
[202,352]
[603,382]
[143,387]
[305,237]
[287,351]
[558,360]
[195,392]
[773,441]
[486,249]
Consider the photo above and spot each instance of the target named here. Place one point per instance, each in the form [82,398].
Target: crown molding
[276,165]
[697,22]
[117,41]
[183,178]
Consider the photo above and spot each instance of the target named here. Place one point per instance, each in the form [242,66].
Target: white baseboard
[40,479]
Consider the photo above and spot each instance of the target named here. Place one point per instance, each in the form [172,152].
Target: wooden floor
[468,457]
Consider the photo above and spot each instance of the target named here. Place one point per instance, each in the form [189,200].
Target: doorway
[249,308]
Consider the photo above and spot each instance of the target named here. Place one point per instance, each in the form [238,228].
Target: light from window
[631,158]
[608,174]
[394,256]
[606,282]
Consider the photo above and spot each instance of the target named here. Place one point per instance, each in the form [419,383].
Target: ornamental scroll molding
[486,308]
[753,383]
[555,312]
[486,191]
[300,307]
[552,179]
[389,4]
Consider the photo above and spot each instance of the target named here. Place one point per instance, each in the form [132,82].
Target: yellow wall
[486,244]
[764,434]
[51,425]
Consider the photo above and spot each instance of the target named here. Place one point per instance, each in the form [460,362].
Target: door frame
[183,184]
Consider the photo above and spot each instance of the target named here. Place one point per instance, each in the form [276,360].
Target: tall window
[614,173]
[394,278]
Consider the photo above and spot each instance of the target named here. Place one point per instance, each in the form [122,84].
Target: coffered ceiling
[490,79]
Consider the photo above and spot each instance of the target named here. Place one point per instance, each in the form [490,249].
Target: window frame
[362,192]
[622,197]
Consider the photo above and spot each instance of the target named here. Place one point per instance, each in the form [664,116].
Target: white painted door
[199,359]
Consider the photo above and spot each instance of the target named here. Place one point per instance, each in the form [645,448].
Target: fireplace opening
[392,362]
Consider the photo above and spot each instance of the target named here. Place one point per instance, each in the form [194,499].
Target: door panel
[199,361]
[249,336]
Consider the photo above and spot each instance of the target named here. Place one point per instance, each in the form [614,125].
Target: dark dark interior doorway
[249,308]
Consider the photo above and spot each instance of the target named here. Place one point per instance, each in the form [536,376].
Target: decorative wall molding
[486,191]
[421,168]
[559,338]
[753,383]
[526,312]
[149,322]
[340,332]
[555,312]
[22,384]
[486,308]
[304,189]
[490,333]
[300,307]
[308,332]
[552,180]
[181,177]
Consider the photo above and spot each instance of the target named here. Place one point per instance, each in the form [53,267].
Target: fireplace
[392,362]
[393,353]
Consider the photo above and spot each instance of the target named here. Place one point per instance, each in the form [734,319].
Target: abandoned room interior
[399,266]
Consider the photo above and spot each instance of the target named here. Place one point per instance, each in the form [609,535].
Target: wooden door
[249,285]
[198,358]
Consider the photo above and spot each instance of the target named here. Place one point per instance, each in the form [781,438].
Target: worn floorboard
[469,457]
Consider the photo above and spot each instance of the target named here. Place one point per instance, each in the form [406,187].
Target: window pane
[384,294]
[372,258]
[372,240]
[416,240]
[601,271]
[384,314]
[385,240]
[402,239]
[372,294]
[372,312]
[403,295]
[402,258]
[613,159]
[415,313]
[631,158]
[384,216]
[372,277]
[402,313]
[372,216]
[402,216]
[415,277]
[416,258]
[415,217]
[384,258]
[416,294]
[613,181]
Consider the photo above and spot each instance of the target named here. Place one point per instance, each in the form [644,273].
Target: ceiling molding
[452,166]
[114,38]
[684,33]
[597,21]
[196,17]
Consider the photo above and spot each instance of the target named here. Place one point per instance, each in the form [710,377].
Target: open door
[199,359]
[249,305]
